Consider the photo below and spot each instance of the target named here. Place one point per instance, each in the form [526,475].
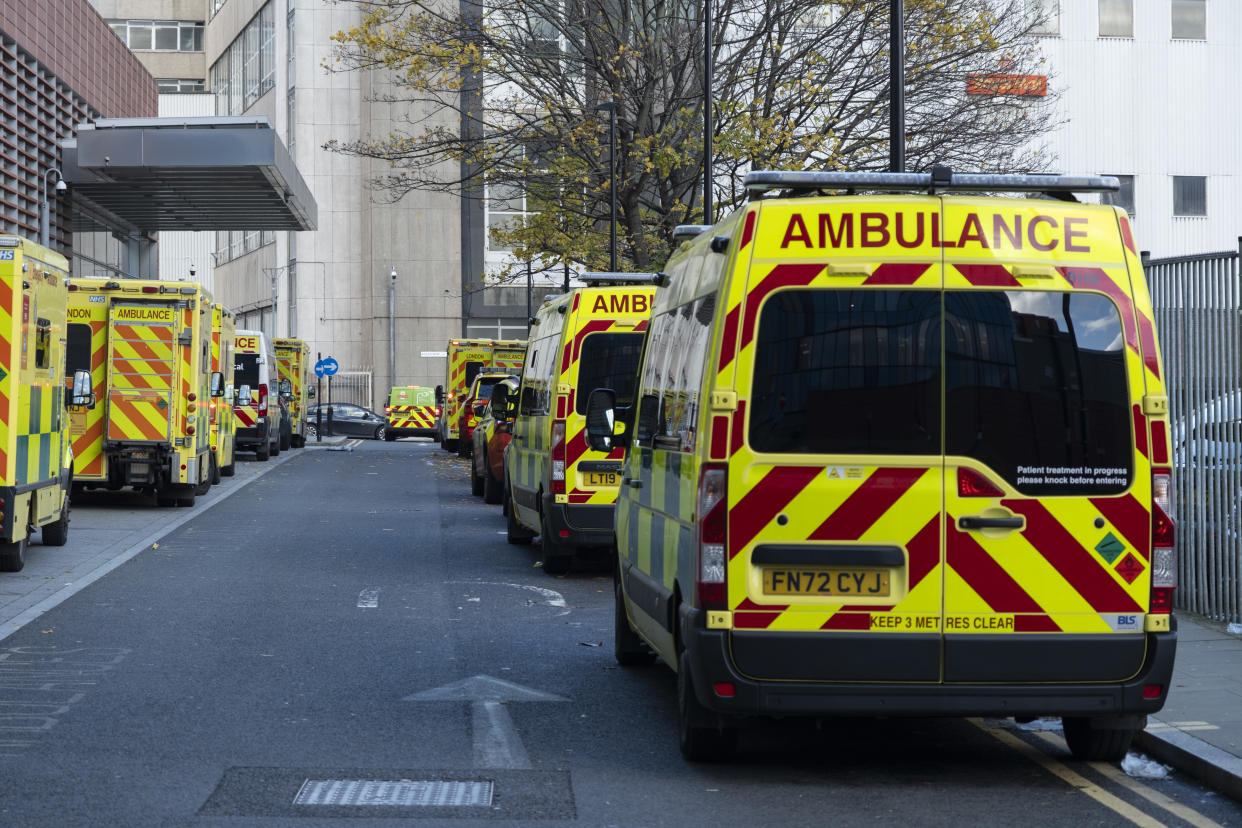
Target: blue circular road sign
[326,367]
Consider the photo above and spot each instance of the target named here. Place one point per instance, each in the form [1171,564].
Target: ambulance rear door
[141,371]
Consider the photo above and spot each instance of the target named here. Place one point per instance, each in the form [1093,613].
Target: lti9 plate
[600,478]
[858,583]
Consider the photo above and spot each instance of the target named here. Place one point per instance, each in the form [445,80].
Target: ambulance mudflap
[142,364]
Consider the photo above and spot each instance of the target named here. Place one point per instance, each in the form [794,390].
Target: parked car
[347,419]
[490,436]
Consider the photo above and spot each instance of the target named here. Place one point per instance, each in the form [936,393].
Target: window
[1045,16]
[1116,18]
[673,374]
[1189,195]
[1123,198]
[246,371]
[247,68]
[291,131]
[1190,19]
[1037,385]
[608,360]
[178,85]
[78,349]
[160,35]
[847,372]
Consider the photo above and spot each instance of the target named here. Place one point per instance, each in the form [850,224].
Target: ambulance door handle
[632,483]
[980,522]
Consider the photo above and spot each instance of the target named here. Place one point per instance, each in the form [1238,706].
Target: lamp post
[707,113]
[896,85]
[45,218]
[392,327]
[611,108]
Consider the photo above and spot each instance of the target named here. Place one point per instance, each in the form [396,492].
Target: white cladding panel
[1154,107]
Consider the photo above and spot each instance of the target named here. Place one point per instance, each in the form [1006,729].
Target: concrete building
[63,68]
[1147,96]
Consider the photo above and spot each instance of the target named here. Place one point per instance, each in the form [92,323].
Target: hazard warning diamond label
[1130,568]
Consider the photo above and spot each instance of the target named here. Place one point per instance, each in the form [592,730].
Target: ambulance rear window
[78,349]
[847,372]
[1036,389]
[608,360]
[246,370]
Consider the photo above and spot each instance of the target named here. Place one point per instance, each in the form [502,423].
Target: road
[345,635]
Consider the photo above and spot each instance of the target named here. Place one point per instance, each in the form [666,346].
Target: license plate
[858,583]
[601,478]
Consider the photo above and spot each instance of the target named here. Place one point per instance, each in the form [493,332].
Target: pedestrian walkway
[1199,731]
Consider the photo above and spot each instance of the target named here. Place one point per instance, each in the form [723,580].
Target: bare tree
[798,84]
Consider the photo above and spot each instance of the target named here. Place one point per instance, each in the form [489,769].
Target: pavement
[1199,731]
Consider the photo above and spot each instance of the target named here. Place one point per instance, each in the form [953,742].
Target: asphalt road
[349,636]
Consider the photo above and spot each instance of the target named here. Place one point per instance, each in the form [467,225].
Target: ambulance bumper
[251,436]
[413,432]
[587,525]
[711,663]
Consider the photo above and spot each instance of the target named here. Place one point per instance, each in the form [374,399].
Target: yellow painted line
[1076,780]
[1177,809]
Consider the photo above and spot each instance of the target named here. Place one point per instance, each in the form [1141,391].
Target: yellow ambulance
[901,453]
[411,412]
[223,424]
[558,487]
[36,460]
[466,358]
[256,404]
[293,361]
[150,344]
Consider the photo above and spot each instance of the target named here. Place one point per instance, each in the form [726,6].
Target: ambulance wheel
[56,533]
[476,482]
[262,454]
[699,740]
[229,470]
[517,534]
[286,440]
[165,500]
[275,448]
[492,491]
[298,441]
[557,557]
[186,498]
[389,437]
[215,471]
[13,555]
[448,445]
[1093,744]
[627,647]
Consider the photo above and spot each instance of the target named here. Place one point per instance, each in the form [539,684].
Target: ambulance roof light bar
[938,180]
[686,232]
[606,278]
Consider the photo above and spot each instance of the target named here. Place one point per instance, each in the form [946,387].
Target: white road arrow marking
[368,599]
[496,741]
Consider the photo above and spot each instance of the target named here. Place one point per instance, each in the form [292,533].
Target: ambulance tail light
[262,398]
[971,483]
[1164,546]
[713,512]
[388,409]
[558,457]
[150,289]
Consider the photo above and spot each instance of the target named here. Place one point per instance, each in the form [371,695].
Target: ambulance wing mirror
[601,419]
[83,394]
[286,389]
[439,395]
[243,395]
[217,383]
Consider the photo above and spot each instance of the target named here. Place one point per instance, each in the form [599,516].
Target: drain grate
[403,793]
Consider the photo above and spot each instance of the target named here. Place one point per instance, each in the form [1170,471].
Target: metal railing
[350,387]
[1198,305]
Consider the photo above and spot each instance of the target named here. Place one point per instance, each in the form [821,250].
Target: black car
[347,419]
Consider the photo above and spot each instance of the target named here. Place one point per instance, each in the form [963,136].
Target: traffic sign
[326,367]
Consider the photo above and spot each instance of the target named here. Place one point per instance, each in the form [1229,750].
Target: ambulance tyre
[215,471]
[165,500]
[476,482]
[298,441]
[492,491]
[13,555]
[389,436]
[262,453]
[699,740]
[517,534]
[448,445]
[229,470]
[56,533]
[186,495]
[286,440]
[1094,744]
[627,647]
[557,557]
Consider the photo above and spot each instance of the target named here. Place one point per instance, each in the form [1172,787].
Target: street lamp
[611,108]
[707,113]
[392,327]
[45,218]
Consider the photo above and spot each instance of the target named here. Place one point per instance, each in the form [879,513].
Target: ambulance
[223,424]
[36,459]
[293,360]
[901,449]
[411,412]
[558,487]
[480,391]
[256,406]
[466,358]
[150,362]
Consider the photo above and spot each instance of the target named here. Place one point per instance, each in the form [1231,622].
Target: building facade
[63,67]
[1146,96]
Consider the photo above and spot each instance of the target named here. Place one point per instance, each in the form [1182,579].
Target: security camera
[192,270]
[61,186]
